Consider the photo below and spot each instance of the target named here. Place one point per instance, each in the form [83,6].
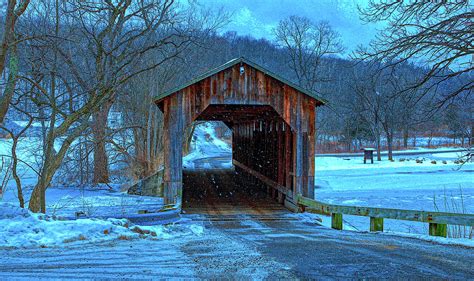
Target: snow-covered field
[400,184]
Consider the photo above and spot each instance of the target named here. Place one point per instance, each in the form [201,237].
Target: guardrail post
[336,221]
[438,229]
[376,224]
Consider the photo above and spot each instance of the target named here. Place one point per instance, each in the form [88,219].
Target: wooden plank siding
[273,126]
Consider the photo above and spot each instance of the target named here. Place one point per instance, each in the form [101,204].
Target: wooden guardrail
[438,221]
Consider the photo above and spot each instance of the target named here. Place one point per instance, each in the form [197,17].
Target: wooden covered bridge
[272,121]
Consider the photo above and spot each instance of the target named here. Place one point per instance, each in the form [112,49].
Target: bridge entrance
[273,131]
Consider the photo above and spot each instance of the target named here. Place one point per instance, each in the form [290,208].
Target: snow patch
[21,228]
[435,239]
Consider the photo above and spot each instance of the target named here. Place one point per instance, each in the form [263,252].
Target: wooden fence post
[376,224]
[438,229]
[336,221]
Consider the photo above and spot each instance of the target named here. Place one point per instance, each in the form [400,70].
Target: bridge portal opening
[247,174]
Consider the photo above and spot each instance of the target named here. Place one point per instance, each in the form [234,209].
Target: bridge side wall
[253,87]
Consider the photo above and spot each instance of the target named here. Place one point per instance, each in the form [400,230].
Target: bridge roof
[231,63]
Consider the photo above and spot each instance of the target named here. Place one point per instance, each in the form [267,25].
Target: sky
[258,17]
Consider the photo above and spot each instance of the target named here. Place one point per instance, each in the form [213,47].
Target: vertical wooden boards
[173,148]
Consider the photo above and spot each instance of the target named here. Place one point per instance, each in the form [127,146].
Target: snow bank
[21,228]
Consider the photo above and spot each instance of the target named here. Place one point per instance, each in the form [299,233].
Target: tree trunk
[7,96]
[188,138]
[21,199]
[38,196]
[405,138]
[99,131]
[35,200]
[8,33]
[379,156]
[471,136]
[390,145]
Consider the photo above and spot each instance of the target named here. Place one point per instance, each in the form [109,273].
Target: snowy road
[244,248]
[247,246]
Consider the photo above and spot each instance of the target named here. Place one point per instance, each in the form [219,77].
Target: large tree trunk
[8,33]
[7,96]
[13,11]
[38,197]
[99,131]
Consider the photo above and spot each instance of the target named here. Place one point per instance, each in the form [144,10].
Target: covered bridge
[272,122]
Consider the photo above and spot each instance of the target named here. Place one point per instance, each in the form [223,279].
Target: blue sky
[258,17]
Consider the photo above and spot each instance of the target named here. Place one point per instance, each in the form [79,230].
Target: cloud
[258,17]
[245,22]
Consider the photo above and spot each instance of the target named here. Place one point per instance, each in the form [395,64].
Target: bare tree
[98,47]
[369,101]
[382,101]
[434,34]
[307,43]
[14,157]
[124,39]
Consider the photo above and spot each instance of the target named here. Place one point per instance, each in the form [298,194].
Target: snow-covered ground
[101,209]
[20,228]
